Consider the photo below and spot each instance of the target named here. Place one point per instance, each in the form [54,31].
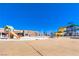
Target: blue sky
[38,16]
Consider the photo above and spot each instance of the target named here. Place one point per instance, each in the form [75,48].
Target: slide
[15,35]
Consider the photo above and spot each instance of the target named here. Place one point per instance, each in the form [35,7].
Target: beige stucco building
[20,33]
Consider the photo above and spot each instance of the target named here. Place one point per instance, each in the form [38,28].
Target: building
[20,33]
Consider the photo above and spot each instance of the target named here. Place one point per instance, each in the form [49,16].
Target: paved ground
[50,47]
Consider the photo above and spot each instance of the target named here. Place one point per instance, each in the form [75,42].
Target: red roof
[1,31]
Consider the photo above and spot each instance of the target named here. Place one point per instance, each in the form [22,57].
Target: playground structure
[10,31]
[70,30]
[60,31]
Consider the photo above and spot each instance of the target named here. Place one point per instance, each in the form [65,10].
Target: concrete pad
[16,48]
[50,47]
